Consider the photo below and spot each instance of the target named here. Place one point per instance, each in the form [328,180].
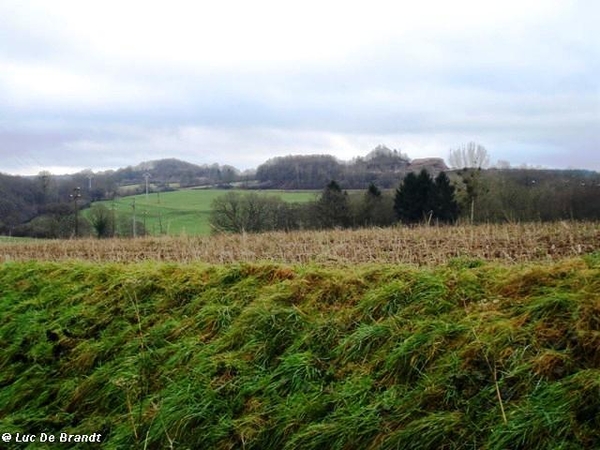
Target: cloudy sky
[106,84]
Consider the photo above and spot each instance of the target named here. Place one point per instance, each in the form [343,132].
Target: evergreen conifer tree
[370,202]
[419,198]
[332,207]
[413,198]
[445,205]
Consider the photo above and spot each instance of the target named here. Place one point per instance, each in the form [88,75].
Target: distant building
[432,165]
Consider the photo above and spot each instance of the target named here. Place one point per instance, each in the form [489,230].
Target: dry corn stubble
[424,245]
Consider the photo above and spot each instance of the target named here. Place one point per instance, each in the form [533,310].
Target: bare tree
[250,212]
[472,156]
[227,213]
[470,159]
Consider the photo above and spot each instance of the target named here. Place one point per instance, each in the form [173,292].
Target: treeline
[382,167]
[44,201]
[519,195]
[470,195]
[167,172]
[418,198]
[253,212]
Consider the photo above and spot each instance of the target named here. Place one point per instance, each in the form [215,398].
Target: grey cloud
[526,93]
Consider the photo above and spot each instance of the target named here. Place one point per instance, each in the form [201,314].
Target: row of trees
[418,198]
[470,194]
[529,195]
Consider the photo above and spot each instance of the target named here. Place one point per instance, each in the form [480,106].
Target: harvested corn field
[509,243]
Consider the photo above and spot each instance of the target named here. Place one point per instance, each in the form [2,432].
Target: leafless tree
[470,159]
[472,156]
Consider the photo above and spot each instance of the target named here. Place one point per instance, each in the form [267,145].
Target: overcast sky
[106,84]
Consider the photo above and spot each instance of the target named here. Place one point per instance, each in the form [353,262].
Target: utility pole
[133,206]
[112,218]
[76,195]
[146,176]
[89,177]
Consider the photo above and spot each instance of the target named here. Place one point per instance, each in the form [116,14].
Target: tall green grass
[468,355]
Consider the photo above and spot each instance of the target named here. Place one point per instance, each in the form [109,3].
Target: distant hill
[381,166]
[174,171]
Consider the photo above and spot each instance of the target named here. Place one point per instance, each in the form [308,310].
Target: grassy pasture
[464,355]
[186,211]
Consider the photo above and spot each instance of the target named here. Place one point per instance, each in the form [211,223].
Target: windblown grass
[466,355]
[509,243]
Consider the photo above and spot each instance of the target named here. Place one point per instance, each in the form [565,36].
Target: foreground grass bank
[468,355]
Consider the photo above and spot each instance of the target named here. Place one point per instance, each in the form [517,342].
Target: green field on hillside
[466,355]
[184,212]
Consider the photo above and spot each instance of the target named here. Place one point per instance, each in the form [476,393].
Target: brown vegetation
[510,243]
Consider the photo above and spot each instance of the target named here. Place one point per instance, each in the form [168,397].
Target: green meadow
[184,212]
[465,355]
